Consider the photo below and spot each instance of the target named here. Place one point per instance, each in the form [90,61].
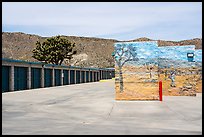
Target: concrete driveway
[91,109]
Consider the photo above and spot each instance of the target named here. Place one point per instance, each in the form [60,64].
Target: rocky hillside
[92,52]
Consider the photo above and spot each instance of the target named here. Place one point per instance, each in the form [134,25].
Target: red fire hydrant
[160,90]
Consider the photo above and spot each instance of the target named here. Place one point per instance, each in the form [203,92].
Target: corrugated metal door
[100,71]
[57,77]
[109,74]
[106,74]
[91,76]
[113,74]
[97,76]
[103,75]
[87,76]
[72,77]
[77,76]
[47,77]
[5,78]
[82,76]
[65,78]
[94,76]
[20,78]
[35,78]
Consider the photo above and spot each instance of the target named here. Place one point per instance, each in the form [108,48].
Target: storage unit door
[113,74]
[20,78]
[82,76]
[5,78]
[87,76]
[109,74]
[65,78]
[91,76]
[94,77]
[100,73]
[48,77]
[93,73]
[103,74]
[97,76]
[106,74]
[72,77]
[77,76]
[57,77]
[35,78]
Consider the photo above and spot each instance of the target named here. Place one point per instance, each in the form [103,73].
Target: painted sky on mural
[146,50]
[121,21]
[150,50]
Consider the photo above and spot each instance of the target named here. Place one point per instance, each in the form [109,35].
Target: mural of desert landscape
[136,71]
[180,70]
[139,66]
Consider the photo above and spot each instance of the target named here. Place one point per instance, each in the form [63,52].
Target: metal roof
[64,66]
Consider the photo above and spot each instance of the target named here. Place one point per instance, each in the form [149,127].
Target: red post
[160,90]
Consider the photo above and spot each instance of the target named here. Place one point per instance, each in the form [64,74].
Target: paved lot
[91,109]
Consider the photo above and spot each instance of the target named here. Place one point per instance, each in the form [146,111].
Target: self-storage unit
[65,77]
[35,78]
[95,79]
[57,77]
[104,75]
[97,76]
[47,77]
[21,75]
[72,77]
[112,74]
[91,76]
[83,77]
[78,77]
[109,75]
[5,78]
[20,78]
[87,76]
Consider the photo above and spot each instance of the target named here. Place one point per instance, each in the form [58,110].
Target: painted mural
[139,66]
[180,69]
[136,71]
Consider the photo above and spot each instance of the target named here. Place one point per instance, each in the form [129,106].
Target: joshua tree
[124,53]
[54,50]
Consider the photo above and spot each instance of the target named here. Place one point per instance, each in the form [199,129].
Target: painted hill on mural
[92,52]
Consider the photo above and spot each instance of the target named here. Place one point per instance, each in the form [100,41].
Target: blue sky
[116,20]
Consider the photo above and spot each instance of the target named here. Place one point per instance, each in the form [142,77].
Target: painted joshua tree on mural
[149,66]
[124,53]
